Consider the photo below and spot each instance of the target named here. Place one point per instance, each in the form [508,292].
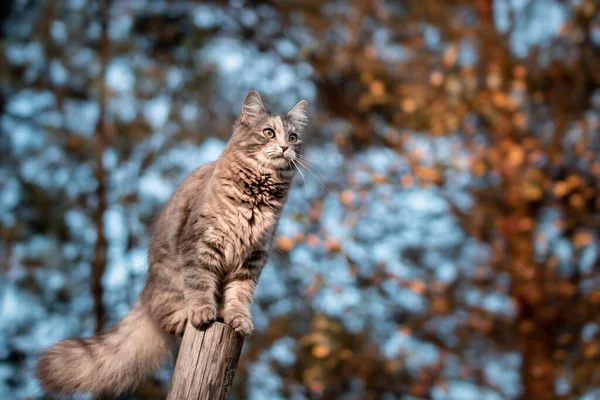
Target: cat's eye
[292,138]
[270,133]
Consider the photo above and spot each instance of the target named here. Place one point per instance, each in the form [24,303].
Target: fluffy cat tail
[110,363]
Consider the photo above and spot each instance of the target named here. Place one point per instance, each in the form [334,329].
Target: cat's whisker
[311,167]
[308,164]
[307,160]
[315,175]
[303,178]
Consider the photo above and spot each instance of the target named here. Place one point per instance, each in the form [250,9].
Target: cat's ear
[298,113]
[252,108]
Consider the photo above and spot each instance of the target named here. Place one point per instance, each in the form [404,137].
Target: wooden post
[206,363]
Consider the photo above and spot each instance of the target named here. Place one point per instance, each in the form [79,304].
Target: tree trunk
[206,363]
[100,249]
[538,368]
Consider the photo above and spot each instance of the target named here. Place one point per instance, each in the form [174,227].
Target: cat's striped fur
[208,248]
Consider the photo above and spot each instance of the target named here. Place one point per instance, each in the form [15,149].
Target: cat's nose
[283,148]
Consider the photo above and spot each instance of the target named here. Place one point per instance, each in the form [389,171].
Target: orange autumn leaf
[316,386]
[515,157]
[321,351]
[409,106]
[332,245]
[347,197]
[406,180]
[377,88]
[313,240]
[440,305]
[561,189]
[591,350]
[576,201]
[418,389]
[418,287]
[582,239]
[378,179]
[284,243]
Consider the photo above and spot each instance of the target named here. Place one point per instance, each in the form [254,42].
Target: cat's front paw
[201,316]
[242,324]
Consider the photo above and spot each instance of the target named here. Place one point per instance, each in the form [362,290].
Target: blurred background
[443,244]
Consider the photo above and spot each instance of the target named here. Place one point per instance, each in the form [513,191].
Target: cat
[208,248]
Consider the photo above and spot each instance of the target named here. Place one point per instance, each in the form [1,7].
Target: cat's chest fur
[259,204]
[245,214]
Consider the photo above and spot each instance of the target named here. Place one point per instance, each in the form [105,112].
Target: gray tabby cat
[209,246]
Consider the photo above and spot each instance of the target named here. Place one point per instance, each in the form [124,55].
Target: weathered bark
[206,363]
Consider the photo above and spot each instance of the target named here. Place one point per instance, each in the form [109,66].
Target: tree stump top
[206,363]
